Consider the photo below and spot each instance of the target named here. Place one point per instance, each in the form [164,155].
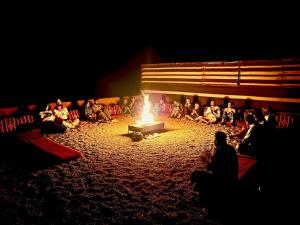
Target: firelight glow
[147,116]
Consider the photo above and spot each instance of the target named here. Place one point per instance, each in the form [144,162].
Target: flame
[147,116]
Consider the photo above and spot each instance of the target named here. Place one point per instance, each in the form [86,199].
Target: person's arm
[217,112]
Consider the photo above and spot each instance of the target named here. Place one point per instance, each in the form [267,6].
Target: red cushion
[118,110]
[26,119]
[284,120]
[110,109]
[58,150]
[8,125]
[169,107]
[245,164]
[73,115]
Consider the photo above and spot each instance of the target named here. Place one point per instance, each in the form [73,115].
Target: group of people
[57,120]
[255,120]
[210,114]
[96,112]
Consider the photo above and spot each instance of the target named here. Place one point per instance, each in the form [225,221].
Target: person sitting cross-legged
[229,114]
[195,114]
[176,110]
[89,113]
[48,122]
[61,114]
[102,113]
[212,113]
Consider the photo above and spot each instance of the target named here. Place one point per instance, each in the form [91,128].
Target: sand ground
[118,182]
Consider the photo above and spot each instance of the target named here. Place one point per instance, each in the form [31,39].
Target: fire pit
[146,128]
[147,123]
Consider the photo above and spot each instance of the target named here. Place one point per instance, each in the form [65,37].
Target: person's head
[220,138]
[248,102]
[197,105]
[58,102]
[230,105]
[225,100]
[250,119]
[125,100]
[88,104]
[266,111]
[132,99]
[212,103]
[188,101]
[96,101]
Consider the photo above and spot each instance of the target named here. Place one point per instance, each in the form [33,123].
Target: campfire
[147,116]
[146,124]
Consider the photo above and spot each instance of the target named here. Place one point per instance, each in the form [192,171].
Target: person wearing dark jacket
[218,183]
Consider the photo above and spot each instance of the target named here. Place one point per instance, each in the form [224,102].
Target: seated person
[61,114]
[162,106]
[48,122]
[229,114]
[89,113]
[125,106]
[102,113]
[47,115]
[248,143]
[176,110]
[195,113]
[218,182]
[187,108]
[155,108]
[245,110]
[212,114]
[133,106]
[268,120]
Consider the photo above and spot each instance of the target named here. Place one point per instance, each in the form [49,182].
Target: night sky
[71,55]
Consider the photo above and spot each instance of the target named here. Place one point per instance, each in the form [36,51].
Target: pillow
[73,115]
[8,125]
[26,119]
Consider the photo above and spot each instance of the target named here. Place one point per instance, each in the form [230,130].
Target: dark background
[78,54]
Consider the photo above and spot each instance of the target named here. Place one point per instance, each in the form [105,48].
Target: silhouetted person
[217,185]
[225,102]
[268,120]
[248,146]
[245,110]
[195,99]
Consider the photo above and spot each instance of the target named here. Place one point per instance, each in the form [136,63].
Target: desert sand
[118,181]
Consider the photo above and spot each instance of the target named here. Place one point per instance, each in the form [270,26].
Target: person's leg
[103,116]
[67,124]
[107,114]
[188,117]
[224,119]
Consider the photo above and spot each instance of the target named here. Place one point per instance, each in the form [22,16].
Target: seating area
[274,83]
[265,82]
